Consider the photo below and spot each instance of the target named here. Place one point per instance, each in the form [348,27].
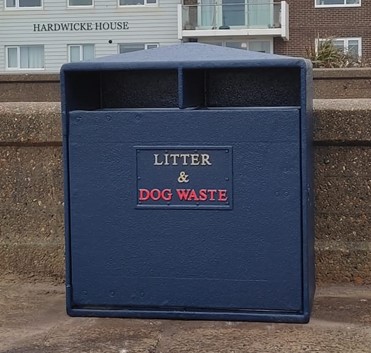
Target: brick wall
[308,23]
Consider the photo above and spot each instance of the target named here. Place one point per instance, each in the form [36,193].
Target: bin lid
[187,55]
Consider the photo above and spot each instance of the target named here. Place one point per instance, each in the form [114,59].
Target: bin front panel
[247,256]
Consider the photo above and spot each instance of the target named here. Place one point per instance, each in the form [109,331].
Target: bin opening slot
[242,87]
[140,89]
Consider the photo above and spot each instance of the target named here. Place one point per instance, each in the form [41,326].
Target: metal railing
[239,15]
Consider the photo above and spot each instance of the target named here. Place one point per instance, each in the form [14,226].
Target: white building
[41,35]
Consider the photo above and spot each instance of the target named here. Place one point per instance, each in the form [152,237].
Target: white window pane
[339,44]
[131,2]
[10,3]
[353,42]
[29,3]
[12,58]
[88,51]
[80,2]
[36,57]
[236,45]
[353,47]
[127,48]
[74,53]
[24,57]
[260,46]
[32,57]
[214,43]
[330,2]
[338,2]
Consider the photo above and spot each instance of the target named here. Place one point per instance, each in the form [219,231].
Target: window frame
[19,68]
[80,6]
[145,4]
[344,4]
[223,42]
[81,46]
[20,8]
[346,43]
[146,45]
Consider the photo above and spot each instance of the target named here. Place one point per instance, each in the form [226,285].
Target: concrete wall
[342,83]
[31,208]
[29,88]
[343,189]
[328,83]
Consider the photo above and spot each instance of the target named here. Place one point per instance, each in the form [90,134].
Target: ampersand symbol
[183,178]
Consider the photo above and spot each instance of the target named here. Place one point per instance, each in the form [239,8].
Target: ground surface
[33,320]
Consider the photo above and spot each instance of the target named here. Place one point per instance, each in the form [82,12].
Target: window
[22,3]
[137,2]
[25,57]
[80,2]
[129,47]
[349,45]
[352,46]
[78,52]
[262,46]
[338,3]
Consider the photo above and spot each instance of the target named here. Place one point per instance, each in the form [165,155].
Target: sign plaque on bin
[188,185]
[198,178]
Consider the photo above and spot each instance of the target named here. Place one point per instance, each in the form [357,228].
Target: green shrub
[328,56]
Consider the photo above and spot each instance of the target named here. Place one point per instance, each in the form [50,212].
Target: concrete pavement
[33,320]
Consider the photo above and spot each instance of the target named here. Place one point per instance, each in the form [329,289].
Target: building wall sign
[81,26]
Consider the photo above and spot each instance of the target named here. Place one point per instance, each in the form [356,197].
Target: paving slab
[33,320]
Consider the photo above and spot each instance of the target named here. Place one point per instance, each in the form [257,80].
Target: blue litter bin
[188,185]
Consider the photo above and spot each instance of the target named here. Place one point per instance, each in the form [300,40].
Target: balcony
[218,18]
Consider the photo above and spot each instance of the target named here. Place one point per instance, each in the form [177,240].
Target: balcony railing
[234,15]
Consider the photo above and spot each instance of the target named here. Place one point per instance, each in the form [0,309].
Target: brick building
[290,26]
[347,22]
[41,35]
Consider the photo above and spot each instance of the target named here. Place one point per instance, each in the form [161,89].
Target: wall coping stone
[37,77]
[335,120]
[359,72]
[342,121]
[30,123]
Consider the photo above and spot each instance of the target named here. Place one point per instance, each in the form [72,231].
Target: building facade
[290,27]
[41,35]
[346,22]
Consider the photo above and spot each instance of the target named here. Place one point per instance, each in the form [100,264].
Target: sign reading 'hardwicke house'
[81,26]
